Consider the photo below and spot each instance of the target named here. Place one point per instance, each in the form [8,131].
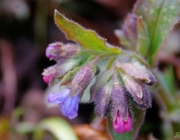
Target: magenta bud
[48,74]
[59,50]
[119,101]
[53,74]
[47,78]
[121,126]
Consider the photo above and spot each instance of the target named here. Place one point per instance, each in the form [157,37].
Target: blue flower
[68,105]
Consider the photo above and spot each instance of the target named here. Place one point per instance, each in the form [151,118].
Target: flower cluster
[111,90]
[67,60]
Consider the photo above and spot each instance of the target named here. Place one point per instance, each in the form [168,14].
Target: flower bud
[103,100]
[59,50]
[121,126]
[82,79]
[138,91]
[47,78]
[49,73]
[101,81]
[149,78]
[53,74]
[119,100]
[137,71]
[130,28]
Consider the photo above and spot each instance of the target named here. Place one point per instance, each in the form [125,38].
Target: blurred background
[26,28]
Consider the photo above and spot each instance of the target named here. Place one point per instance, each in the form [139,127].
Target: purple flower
[68,105]
[58,50]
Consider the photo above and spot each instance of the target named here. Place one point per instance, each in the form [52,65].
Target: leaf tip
[55,11]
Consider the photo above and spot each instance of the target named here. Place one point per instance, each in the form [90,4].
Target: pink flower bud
[47,78]
[53,74]
[121,126]
[48,74]
[119,101]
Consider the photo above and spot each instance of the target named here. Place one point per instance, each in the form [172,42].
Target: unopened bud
[149,78]
[121,126]
[130,28]
[59,50]
[47,79]
[103,100]
[138,71]
[49,73]
[53,74]
[82,79]
[101,81]
[138,91]
[119,99]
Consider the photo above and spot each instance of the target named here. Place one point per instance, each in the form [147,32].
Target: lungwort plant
[120,90]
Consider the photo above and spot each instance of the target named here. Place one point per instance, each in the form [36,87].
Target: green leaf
[160,16]
[142,38]
[174,112]
[138,117]
[174,115]
[58,127]
[25,127]
[167,130]
[168,82]
[85,37]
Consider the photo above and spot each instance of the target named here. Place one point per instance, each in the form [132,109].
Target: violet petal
[70,106]
[58,97]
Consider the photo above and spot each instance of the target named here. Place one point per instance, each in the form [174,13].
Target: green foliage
[86,38]
[168,80]
[58,127]
[160,16]
[142,37]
